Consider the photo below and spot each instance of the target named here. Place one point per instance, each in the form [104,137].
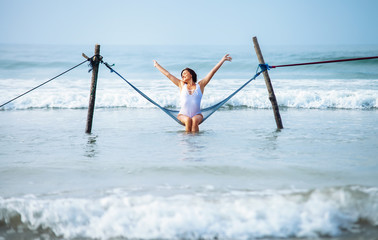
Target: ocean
[138,175]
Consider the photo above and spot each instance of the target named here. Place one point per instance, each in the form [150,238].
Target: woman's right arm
[175,80]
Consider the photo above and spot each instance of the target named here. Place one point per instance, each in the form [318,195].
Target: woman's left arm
[210,75]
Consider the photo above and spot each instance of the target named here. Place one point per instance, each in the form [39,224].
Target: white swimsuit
[190,103]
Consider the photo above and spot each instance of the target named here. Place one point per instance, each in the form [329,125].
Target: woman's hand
[227,57]
[210,75]
[155,63]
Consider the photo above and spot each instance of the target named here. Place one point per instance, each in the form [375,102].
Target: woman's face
[186,76]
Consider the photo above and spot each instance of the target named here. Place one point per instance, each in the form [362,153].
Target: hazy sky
[289,22]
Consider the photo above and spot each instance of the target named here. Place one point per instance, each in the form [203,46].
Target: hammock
[206,112]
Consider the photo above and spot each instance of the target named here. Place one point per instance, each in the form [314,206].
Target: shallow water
[312,143]
[143,158]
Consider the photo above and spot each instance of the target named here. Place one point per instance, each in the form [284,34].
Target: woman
[191,93]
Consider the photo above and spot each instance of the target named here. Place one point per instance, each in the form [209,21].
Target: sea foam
[306,94]
[234,215]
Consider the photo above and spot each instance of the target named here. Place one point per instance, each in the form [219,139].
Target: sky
[197,22]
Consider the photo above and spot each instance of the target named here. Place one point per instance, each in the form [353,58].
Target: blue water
[139,175]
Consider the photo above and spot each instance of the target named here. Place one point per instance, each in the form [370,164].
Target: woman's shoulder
[201,83]
[181,84]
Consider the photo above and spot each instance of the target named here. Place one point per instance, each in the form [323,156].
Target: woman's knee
[196,120]
[185,120]
[188,122]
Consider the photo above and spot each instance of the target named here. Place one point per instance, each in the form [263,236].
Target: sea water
[140,176]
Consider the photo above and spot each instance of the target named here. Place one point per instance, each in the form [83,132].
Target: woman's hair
[193,73]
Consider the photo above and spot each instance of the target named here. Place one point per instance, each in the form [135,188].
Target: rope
[215,107]
[40,85]
[167,111]
[212,109]
[321,62]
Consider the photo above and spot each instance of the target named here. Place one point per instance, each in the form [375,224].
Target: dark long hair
[193,73]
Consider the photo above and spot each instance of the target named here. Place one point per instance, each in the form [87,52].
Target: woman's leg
[187,121]
[196,120]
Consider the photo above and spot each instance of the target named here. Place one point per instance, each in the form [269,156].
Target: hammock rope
[206,112]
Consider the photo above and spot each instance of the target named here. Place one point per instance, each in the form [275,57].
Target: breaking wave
[306,94]
[232,215]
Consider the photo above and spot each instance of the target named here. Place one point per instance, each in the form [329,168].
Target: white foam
[308,94]
[241,215]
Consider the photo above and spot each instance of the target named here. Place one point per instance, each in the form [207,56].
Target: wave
[257,98]
[328,212]
[111,93]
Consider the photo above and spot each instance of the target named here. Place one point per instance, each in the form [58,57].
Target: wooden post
[269,86]
[95,64]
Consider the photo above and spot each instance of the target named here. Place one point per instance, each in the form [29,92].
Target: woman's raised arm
[174,79]
[210,75]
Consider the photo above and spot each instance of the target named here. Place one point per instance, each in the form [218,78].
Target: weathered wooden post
[95,64]
[269,86]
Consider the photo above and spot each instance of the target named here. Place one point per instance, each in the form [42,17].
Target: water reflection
[191,146]
[91,149]
[271,144]
[266,144]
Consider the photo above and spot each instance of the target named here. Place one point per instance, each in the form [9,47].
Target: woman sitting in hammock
[191,93]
